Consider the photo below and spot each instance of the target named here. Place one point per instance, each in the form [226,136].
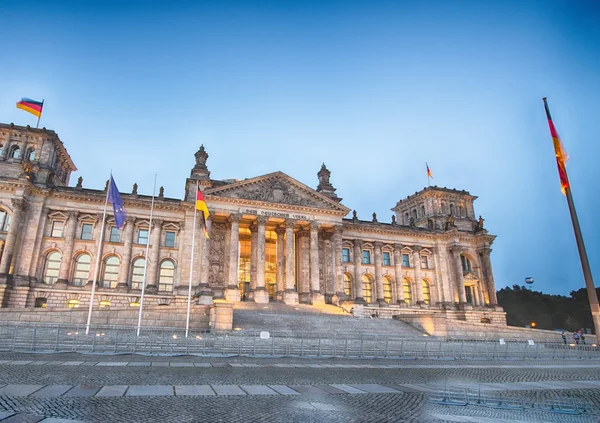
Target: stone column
[152,276]
[338,270]
[418,276]
[317,297]
[253,259]
[357,289]
[280,231]
[290,295]
[205,267]
[326,257]
[261,295]
[20,207]
[232,292]
[303,276]
[398,274]
[65,264]
[379,274]
[126,258]
[458,274]
[484,253]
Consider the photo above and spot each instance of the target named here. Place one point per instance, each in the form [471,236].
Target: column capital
[234,217]
[378,245]
[357,243]
[73,214]
[455,249]
[280,230]
[338,229]
[253,227]
[314,225]
[485,251]
[398,247]
[19,204]
[290,223]
[417,248]
[326,235]
[157,222]
[262,220]
[302,233]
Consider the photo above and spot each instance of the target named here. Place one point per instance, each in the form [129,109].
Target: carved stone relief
[216,259]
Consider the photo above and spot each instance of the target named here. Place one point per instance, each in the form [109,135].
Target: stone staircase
[329,319]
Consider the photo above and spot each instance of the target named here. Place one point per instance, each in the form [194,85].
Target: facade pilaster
[398,274]
[65,264]
[206,256]
[357,289]
[485,253]
[261,295]
[418,276]
[126,258]
[253,258]
[338,271]
[303,276]
[280,276]
[152,285]
[458,274]
[379,274]
[232,293]
[317,297]
[19,208]
[290,295]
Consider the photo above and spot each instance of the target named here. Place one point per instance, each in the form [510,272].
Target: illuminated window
[347,285]
[110,273]
[137,273]
[405,260]
[387,289]
[82,270]
[4,221]
[426,292]
[424,262]
[143,237]
[57,229]
[366,257]
[166,276]
[407,291]
[387,261]
[115,234]
[170,239]
[367,289]
[86,231]
[51,267]
[40,302]
[346,255]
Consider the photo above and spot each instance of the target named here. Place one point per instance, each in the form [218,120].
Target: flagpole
[41,110]
[189,301]
[427,170]
[146,261]
[98,254]
[585,264]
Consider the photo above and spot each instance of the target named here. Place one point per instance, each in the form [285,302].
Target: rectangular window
[86,231]
[424,262]
[143,236]
[405,260]
[115,234]
[170,239]
[386,259]
[346,255]
[366,257]
[57,229]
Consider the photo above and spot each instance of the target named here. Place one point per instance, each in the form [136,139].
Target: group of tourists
[577,336]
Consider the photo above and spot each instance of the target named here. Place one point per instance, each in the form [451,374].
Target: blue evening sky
[374,89]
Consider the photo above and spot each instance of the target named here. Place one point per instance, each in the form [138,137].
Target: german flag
[559,151]
[31,106]
[201,206]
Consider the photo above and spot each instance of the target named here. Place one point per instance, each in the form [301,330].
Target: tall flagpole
[146,261]
[41,111]
[189,301]
[98,254]
[585,264]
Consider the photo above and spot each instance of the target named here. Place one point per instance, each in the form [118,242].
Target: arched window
[110,273]
[1,150]
[81,276]
[452,209]
[51,267]
[461,211]
[466,263]
[422,211]
[387,289]
[15,153]
[137,273]
[4,221]
[443,207]
[407,291]
[426,292]
[348,285]
[31,155]
[414,212]
[406,219]
[166,276]
[367,289]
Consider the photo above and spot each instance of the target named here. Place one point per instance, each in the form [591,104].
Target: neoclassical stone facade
[272,238]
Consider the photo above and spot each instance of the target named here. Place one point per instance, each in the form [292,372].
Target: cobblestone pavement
[198,389]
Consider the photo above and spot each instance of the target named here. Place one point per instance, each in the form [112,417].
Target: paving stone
[113,363]
[55,363]
[52,391]
[160,364]
[182,364]
[284,390]
[195,390]
[403,388]
[19,362]
[139,364]
[236,365]
[330,389]
[23,418]
[309,390]
[20,390]
[258,390]
[219,364]
[38,363]
[89,363]
[112,391]
[228,390]
[251,365]
[374,389]
[323,407]
[54,420]
[6,414]
[149,390]
[347,388]
[82,391]
[72,363]
[202,365]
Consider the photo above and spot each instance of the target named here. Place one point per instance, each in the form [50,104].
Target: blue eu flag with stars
[115,199]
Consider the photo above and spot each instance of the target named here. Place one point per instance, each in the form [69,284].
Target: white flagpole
[146,261]
[98,254]
[189,303]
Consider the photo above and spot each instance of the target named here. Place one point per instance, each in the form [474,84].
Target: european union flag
[115,199]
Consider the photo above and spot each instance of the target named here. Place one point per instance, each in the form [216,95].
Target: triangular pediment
[277,188]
